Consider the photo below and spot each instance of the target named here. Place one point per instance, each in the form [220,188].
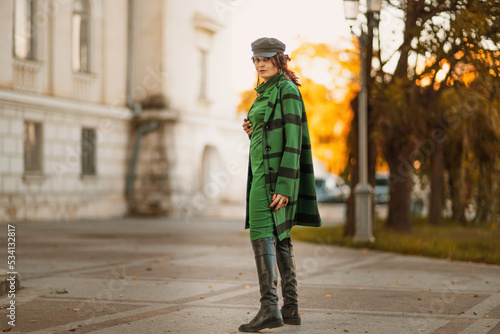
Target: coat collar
[274,94]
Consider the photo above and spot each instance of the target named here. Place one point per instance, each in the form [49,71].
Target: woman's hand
[247,126]
[280,201]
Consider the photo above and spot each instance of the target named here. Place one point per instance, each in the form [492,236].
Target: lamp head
[351,9]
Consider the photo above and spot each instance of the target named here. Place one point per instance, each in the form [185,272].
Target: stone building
[109,107]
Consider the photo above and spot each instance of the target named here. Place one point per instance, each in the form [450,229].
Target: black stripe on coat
[275,124]
[283,227]
[307,168]
[289,173]
[307,197]
[292,150]
[293,119]
[310,219]
[291,96]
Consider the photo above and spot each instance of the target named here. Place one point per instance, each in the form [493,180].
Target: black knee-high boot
[269,315]
[286,265]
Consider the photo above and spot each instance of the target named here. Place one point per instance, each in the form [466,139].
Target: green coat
[288,159]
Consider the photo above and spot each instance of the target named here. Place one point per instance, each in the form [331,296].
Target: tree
[442,35]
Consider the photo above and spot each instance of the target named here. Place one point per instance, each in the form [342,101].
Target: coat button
[270,170]
[266,126]
[268,148]
[272,192]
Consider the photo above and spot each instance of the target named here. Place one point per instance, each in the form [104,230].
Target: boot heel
[275,324]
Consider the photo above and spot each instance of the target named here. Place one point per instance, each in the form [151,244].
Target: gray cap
[267,47]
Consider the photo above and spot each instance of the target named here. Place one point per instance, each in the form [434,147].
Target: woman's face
[265,67]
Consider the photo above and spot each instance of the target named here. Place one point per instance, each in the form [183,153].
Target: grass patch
[450,241]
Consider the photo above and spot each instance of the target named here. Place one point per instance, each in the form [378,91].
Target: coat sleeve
[289,171]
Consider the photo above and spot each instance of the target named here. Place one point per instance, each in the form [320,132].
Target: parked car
[332,189]
[381,191]
[382,194]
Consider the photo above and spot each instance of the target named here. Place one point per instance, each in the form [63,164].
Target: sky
[290,21]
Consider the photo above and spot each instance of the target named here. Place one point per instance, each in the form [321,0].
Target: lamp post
[363,191]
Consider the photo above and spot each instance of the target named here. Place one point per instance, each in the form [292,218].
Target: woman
[280,188]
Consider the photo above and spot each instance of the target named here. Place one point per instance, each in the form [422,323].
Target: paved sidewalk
[170,276]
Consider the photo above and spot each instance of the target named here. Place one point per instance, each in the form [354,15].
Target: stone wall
[60,191]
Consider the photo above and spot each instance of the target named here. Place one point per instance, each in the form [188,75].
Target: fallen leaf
[419,298]
[345,330]
[209,286]
[396,281]
[61,291]
[362,288]
[247,286]
[301,312]
[476,295]
[488,326]
[248,312]
[76,309]
[160,260]
[329,313]
[86,283]
[120,295]
[202,297]
[135,277]
[486,316]
[34,320]
[328,295]
[7,329]
[149,269]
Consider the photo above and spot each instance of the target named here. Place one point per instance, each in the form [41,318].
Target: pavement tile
[39,314]
[153,275]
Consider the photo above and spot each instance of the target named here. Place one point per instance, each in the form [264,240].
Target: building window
[203,71]
[88,152]
[24,29]
[33,147]
[81,36]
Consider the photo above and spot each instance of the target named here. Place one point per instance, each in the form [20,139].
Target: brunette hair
[280,61]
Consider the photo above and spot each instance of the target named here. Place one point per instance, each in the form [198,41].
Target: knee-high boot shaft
[269,315]
[286,264]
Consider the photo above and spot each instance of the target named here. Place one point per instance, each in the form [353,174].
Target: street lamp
[363,191]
